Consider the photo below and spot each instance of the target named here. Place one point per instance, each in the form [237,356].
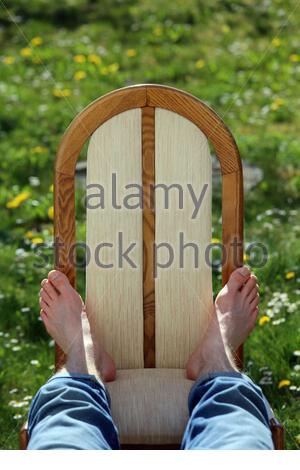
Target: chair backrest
[149,195]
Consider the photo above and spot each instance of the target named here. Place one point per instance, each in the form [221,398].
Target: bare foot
[232,320]
[64,316]
[237,307]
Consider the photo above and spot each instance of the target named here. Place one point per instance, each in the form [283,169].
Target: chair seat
[149,406]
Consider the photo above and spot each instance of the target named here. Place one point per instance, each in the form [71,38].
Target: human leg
[72,410]
[227,410]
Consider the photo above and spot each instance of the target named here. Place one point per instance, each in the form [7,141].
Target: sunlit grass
[235,57]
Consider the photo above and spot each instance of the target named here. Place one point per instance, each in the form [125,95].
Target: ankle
[80,359]
[218,361]
[81,365]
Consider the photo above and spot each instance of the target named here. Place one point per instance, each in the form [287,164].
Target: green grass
[240,57]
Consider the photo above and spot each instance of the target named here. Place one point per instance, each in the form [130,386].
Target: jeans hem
[91,378]
[212,375]
[75,375]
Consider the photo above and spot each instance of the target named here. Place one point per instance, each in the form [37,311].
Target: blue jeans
[227,411]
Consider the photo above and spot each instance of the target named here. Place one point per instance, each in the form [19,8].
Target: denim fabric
[227,411]
[72,412]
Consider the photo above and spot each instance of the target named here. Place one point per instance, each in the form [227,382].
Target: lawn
[240,57]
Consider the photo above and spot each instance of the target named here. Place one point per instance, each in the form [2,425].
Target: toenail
[244,271]
[55,275]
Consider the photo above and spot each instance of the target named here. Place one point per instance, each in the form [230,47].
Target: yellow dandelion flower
[37,240]
[274,106]
[157,31]
[94,59]
[51,188]
[28,234]
[246,257]
[290,275]
[294,58]
[80,75]
[37,60]
[131,52]
[112,68]
[264,319]
[51,213]
[79,58]
[37,41]
[39,149]
[284,383]
[26,52]
[277,103]
[215,240]
[58,93]
[225,28]
[104,70]
[276,42]
[200,64]
[8,60]
[16,201]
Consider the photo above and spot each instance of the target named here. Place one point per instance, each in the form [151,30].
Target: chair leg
[277,431]
[24,436]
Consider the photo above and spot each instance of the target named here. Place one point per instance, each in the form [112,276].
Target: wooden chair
[150,322]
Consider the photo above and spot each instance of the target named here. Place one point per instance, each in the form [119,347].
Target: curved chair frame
[149,97]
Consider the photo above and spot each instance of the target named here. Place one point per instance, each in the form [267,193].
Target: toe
[254,302]
[253,318]
[45,296]
[250,285]
[42,313]
[238,278]
[44,306]
[45,319]
[59,280]
[44,282]
[256,312]
[51,291]
[252,294]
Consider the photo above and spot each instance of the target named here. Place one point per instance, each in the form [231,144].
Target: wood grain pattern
[203,117]
[149,406]
[114,295]
[138,96]
[183,290]
[232,230]
[277,431]
[92,117]
[64,235]
[24,436]
[187,106]
[152,95]
[148,163]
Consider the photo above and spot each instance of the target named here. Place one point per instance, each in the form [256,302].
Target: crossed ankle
[81,365]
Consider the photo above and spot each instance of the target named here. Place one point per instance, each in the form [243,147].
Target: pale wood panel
[183,296]
[115,295]
[92,117]
[201,115]
[149,406]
